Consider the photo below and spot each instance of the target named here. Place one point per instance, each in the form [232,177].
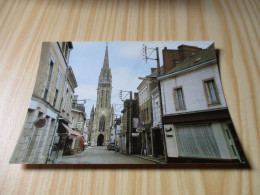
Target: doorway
[100,140]
[158,143]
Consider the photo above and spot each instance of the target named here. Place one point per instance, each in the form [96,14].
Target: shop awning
[72,134]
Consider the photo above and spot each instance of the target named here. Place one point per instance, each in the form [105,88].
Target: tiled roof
[196,59]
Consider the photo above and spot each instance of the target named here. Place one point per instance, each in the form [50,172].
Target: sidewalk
[156,160]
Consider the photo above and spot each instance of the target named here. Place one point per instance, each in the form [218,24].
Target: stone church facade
[100,134]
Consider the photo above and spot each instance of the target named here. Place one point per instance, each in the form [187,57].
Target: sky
[126,63]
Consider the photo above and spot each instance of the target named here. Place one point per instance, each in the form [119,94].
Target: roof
[155,73]
[196,59]
[152,75]
[72,78]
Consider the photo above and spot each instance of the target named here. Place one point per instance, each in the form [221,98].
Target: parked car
[117,148]
[111,146]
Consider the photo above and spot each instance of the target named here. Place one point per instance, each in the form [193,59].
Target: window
[102,124]
[49,76]
[147,115]
[72,122]
[179,98]
[55,97]
[65,50]
[58,80]
[79,125]
[211,92]
[106,99]
[57,88]
[102,99]
[63,46]
[197,141]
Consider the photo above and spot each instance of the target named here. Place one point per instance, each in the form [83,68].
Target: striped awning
[72,134]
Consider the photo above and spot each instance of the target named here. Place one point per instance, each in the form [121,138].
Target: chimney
[153,70]
[170,59]
[186,51]
[136,95]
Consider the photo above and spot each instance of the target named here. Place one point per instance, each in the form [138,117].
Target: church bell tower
[101,128]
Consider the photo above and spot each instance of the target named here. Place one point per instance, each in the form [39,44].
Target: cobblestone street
[100,155]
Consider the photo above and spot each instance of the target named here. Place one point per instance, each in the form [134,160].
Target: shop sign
[40,123]
[139,130]
[135,122]
[135,134]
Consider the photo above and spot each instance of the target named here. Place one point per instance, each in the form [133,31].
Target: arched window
[102,124]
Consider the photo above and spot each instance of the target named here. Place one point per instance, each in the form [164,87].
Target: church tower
[102,117]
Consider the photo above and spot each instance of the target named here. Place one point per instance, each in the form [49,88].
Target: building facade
[78,122]
[65,136]
[145,111]
[100,135]
[91,121]
[33,145]
[130,139]
[196,120]
[156,129]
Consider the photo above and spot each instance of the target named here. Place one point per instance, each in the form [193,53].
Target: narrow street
[100,155]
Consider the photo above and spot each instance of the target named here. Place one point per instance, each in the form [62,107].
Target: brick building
[172,57]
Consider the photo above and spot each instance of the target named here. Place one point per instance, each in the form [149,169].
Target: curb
[152,160]
[77,155]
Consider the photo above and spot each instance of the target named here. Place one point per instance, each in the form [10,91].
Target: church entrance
[100,140]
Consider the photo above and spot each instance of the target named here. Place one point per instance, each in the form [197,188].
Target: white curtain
[197,141]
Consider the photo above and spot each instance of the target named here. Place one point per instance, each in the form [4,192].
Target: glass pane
[212,93]
[180,98]
[197,141]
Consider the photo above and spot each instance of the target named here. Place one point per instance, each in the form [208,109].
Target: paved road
[100,155]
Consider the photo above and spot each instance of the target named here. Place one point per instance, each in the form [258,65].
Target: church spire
[106,62]
[105,74]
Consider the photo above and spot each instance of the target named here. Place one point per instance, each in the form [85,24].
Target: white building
[196,120]
[156,107]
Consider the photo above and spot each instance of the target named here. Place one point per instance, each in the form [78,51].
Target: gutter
[186,70]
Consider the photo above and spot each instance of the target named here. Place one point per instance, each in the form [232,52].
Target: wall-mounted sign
[168,130]
[40,123]
[139,125]
[135,134]
[139,130]
[135,122]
